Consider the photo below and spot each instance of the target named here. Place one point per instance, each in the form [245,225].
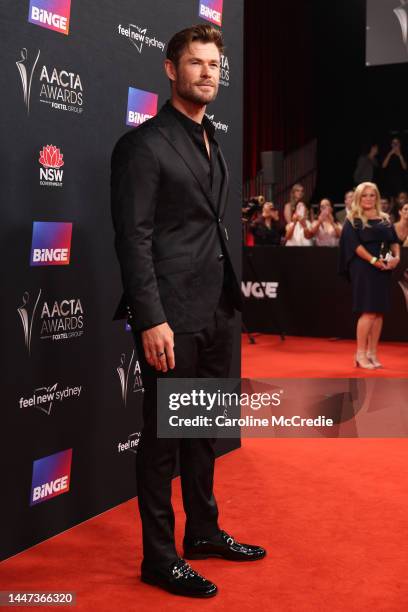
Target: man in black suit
[169,193]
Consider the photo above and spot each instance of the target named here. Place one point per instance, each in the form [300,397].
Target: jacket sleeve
[134,187]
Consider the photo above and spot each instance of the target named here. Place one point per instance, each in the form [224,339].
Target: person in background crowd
[367,165]
[326,230]
[369,250]
[267,230]
[297,194]
[388,208]
[401,227]
[394,169]
[299,230]
[402,198]
[348,199]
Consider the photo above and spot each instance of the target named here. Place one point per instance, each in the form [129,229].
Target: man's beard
[191,95]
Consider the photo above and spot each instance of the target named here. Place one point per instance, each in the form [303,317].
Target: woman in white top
[326,229]
[299,230]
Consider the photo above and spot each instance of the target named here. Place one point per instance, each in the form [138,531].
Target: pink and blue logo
[50,14]
[142,105]
[211,10]
[51,476]
[51,243]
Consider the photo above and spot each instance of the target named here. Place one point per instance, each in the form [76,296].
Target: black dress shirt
[196,132]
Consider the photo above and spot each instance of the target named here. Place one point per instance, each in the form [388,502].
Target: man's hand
[158,344]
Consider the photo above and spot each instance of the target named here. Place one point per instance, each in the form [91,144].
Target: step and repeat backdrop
[298,291]
[75,76]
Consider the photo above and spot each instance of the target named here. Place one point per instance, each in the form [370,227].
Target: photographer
[395,169]
[266,229]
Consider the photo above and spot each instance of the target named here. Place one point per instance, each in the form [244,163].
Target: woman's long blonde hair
[356,212]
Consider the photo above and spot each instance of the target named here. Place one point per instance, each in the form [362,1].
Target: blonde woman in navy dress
[369,251]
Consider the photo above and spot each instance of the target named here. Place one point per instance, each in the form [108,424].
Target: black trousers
[203,354]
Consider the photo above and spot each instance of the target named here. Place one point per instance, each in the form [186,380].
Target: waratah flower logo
[50,157]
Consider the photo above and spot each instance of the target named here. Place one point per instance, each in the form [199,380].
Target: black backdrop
[307,297]
[78,386]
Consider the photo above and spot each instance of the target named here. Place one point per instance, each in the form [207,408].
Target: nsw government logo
[51,243]
[142,105]
[51,160]
[51,476]
[211,10]
[50,14]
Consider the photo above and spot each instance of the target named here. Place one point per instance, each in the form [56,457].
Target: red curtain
[278,78]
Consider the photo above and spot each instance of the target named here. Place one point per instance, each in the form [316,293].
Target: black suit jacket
[170,237]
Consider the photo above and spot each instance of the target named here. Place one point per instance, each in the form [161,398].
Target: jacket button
[220,256]
[218,220]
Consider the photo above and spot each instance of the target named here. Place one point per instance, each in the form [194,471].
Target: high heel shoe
[373,358]
[361,360]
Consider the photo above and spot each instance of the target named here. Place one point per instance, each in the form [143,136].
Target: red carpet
[332,514]
[297,357]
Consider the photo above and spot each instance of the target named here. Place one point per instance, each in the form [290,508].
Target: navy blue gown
[371,287]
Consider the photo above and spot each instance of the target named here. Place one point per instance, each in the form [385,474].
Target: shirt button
[219,220]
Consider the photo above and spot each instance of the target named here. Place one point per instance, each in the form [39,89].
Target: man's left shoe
[224,546]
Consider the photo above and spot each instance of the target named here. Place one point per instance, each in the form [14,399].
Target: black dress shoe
[180,579]
[222,545]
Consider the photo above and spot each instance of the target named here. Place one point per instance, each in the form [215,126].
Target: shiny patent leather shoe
[179,579]
[224,546]
[373,358]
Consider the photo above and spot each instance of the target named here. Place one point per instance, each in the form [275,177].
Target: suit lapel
[178,138]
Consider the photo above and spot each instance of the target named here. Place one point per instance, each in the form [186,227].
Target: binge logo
[142,105]
[260,290]
[211,10]
[51,476]
[51,244]
[50,14]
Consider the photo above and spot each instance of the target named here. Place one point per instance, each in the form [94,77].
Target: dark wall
[70,376]
[278,78]
[355,104]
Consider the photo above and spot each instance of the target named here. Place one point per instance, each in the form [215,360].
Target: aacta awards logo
[142,105]
[43,398]
[129,375]
[51,243]
[60,88]
[51,476]
[50,319]
[50,14]
[26,66]
[211,10]
[51,160]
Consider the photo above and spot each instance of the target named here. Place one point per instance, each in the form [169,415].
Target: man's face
[348,199]
[197,74]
